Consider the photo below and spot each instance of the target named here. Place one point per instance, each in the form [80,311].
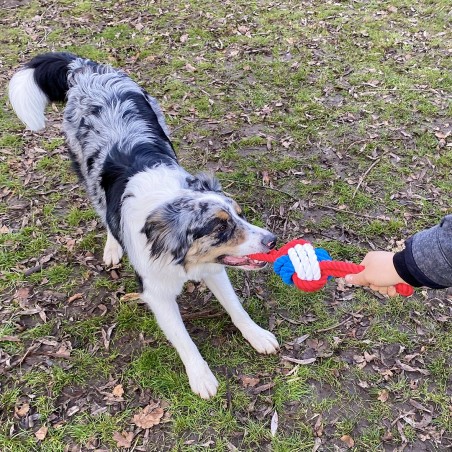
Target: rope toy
[309,268]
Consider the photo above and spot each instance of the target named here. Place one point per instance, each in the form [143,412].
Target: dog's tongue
[243,262]
[234,260]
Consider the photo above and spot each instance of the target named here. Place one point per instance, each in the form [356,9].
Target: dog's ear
[204,182]
[167,229]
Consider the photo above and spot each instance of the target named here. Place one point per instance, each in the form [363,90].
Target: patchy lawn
[328,121]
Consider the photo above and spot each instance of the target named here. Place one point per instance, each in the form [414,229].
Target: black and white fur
[174,226]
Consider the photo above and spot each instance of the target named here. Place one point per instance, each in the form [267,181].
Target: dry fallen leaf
[249,382]
[148,416]
[383,395]
[348,440]
[76,296]
[118,391]
[274,423]
[21,409]
[130,296]
[22,294]
[41,433]
[299,361]
[123,439]
[183,38]
[190,68]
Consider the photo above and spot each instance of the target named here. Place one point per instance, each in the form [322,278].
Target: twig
[293,322]
[323,330]
[370,217]
[35,269]
[361,179]
[376,90]
[201,315]
[20,360]
[262,187]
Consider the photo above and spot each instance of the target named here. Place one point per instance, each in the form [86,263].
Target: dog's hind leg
[166,311]
[262,340]
[112,251]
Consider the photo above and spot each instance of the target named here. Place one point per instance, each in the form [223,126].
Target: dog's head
[203,226]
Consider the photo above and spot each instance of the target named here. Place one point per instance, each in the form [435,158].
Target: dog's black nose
[269,241]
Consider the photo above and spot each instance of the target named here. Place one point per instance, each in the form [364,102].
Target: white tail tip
[27,99]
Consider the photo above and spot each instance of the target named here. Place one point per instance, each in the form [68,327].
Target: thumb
[358,279]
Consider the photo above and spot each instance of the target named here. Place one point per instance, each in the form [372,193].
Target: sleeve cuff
[406,267]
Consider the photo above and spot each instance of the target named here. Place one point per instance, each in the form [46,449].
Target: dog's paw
[112,253]
[202,380]
[262,340]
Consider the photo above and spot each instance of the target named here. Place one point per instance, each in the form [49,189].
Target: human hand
[380,274]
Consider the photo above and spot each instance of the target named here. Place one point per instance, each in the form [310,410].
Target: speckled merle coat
[172,225]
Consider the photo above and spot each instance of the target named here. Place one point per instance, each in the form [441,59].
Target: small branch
[337,325]
[201,315]
[349,212]
[361,179]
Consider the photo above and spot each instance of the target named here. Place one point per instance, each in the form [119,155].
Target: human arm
[425,261]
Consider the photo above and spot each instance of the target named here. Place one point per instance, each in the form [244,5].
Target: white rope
[305,262]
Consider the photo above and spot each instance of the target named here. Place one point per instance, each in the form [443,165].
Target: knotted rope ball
[309,268]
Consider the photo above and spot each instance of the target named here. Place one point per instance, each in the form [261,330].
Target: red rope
[337,269]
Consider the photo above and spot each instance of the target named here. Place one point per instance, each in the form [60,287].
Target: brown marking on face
[205,251]
[222,215]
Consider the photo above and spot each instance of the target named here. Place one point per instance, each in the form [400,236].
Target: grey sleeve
[427,258]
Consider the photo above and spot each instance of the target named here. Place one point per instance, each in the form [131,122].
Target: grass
[320,120]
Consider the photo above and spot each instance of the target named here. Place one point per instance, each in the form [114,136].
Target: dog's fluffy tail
[42,80]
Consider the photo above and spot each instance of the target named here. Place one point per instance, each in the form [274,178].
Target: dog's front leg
[113,251]
[262,340]
[166,311]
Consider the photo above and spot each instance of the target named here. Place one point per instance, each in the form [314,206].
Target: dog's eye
[222,227]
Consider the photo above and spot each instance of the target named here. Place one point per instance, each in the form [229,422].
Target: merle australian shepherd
[173,226]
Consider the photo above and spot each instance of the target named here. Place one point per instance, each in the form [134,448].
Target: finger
[392,292]
[358,279]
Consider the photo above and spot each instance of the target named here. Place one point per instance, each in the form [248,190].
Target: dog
[173,226]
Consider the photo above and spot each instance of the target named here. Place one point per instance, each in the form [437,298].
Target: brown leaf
[118,391]
[148,416]
[76,296]
[418,406]
[249,382]
[348,440]
[190,287]
[22,294]
[298,361]
[21,409]
[130,297]
[368,357]
[106,335]
[190,68]
[264,387]
[408,368]
[243,29]
[318,426]
[9,339]
[123,439]
[383,395]
[41,433]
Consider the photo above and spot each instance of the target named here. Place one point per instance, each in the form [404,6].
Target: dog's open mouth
[242,262]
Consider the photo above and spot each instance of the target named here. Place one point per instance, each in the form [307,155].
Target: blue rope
[284,268]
